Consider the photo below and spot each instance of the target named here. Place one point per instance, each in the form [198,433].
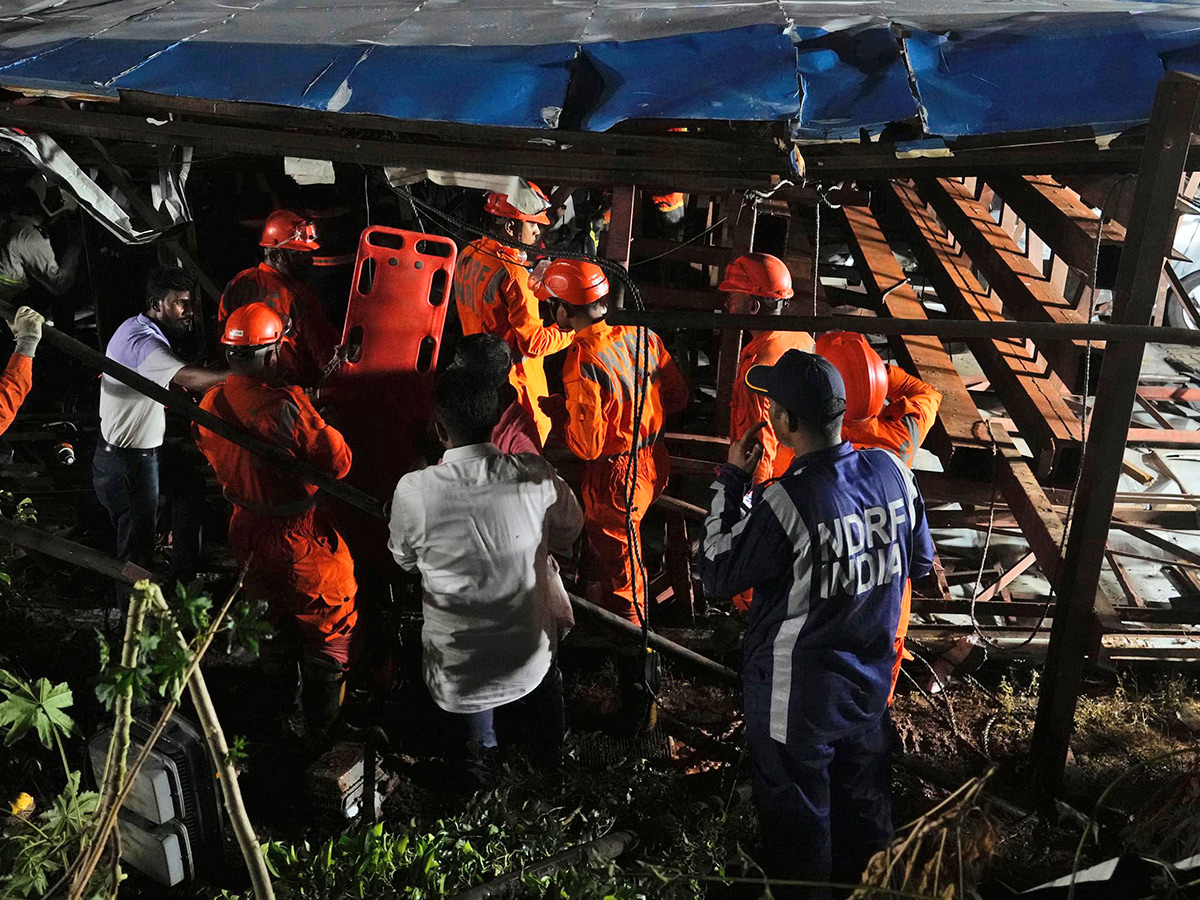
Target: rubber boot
[638,678]
[324,680]
[283,685]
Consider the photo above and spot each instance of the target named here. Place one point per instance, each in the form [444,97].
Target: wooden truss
[1015,287]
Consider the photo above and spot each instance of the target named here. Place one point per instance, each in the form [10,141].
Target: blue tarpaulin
[828,70]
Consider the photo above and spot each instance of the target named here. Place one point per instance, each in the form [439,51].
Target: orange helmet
[573,281]
[500,205]
[759,275]
[285,230]
[253,325]
[862,370]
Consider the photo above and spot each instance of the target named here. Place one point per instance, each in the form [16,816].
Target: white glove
[27,327]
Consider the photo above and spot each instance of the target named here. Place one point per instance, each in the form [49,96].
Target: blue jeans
[129,482]
[536,721]
[825,806]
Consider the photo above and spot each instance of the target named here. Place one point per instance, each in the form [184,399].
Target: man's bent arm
[740,550]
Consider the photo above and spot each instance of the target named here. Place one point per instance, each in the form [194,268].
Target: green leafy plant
[73,834]
[35,707]
[33,848]
[530,815]
[23,513]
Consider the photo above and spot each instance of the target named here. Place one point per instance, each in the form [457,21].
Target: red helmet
[285,230]
[572,281]
[253,325]
[500,205]
[759,275]
[862,370]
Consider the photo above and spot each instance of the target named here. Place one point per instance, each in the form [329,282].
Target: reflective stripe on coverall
[492,296]
[747,408]
[910,411]
[598,378]
[309,346]
[301,568]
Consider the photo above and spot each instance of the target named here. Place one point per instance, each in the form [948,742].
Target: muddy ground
[1134,733]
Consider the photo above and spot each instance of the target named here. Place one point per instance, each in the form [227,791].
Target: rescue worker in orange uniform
[759,284]
[885,408]
[288,241]
[492,295]
[596,420]
[671,209]
[17,378]
[299,563]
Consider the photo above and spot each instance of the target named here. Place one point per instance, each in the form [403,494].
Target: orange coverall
[492,295]
[901,426]
[311,339]
[747,408]
[301,567]
[598,378]
[14,387]
[665,203]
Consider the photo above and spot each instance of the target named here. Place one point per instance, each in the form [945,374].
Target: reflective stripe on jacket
[828,549]
[598,379]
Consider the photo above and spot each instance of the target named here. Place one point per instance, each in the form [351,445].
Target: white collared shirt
[480,527]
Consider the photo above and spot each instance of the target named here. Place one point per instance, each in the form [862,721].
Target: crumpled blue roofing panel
[966,66]
[472,85]
[746,73]
[852,79]
[1036,72]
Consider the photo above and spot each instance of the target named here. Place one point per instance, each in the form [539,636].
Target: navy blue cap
[806,385]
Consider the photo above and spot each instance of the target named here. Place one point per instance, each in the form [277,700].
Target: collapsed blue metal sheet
[1036,72]
[830,70]
[852,79]
[746,73]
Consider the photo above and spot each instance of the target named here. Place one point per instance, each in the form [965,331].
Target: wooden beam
[1033,510]
[953,436]
[557,163]
[963,329]
[1151,231]
[1123,579]
[657,297]
[739,226]
[1061,219]
[1031,394]
[1162,543]
[1000,584]
[620,225]
[1018,282]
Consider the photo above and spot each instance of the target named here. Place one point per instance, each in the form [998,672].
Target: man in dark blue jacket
[827,548]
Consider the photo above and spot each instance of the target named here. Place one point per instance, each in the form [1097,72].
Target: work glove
[27,328]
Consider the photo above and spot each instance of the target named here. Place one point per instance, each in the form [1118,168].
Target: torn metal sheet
[56,164]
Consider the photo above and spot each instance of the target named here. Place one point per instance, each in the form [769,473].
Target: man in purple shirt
[488,357]
[128,462]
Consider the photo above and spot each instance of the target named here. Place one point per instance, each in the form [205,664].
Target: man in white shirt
[127,466]
[26,255]
[480,527]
